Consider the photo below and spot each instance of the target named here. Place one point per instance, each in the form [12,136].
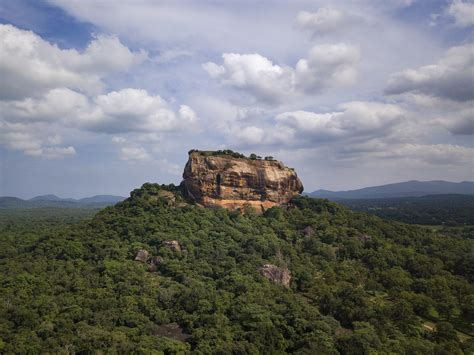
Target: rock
[213,179]
[142,255]
[173,245]
[154,262]
[308,231]
[172,331]
[277,275]
[365,238]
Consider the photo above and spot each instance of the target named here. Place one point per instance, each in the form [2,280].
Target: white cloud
[326,66]
[27,124]
[462,12]
[30,142]
[52,152]
[435,154]
[249,135]
[134,110]
[253,73]
[30,65]
[451,77]
[127,110]
[456,116]
[56,104]
[132,153]
[356,119]
[322,21]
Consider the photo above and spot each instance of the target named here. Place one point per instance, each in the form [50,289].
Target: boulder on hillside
[277,275]
[154,262]
[142,256]
[173,245]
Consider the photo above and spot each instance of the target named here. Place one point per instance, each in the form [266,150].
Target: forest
[453,210]
[359,284]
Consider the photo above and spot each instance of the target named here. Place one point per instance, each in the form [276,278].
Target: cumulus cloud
[253,73]
[462,13]
[326,66]
[451,77]
[134,110]
[30,65]
[126,110]
[322,21]
[356,119]
[54,105]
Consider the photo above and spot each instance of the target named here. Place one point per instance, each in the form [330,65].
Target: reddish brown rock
[277,275]
[231,182]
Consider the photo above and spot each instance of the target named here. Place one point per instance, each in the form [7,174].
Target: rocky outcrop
[277,275]
[230,181]
[153,262]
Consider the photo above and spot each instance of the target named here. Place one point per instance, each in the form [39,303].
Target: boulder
[173,245]
[142,256]
[215,179]
[154,262]
[277,275]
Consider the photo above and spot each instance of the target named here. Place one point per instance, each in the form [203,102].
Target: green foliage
[218,152]
[360,285]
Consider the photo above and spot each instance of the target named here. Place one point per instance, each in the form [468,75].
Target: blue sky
[98,97]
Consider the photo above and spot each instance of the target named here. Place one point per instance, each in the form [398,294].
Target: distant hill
[412,188]
[50,197]
[448,209]
[97,201]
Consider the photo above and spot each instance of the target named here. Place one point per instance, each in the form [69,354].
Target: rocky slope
[228,181]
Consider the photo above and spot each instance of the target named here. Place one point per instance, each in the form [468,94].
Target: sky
[99,97]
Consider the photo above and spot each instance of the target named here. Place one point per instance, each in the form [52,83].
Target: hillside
[313,279]
[403,189]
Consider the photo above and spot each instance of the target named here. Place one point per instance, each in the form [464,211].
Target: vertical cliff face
[231,182]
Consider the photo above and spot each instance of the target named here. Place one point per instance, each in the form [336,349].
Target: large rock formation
[233,181]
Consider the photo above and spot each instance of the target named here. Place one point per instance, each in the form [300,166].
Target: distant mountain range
[97,201]
[412,188]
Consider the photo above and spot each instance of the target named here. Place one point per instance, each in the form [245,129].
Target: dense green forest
[450,210]
[360,284]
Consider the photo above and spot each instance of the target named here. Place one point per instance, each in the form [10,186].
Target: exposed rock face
[277,275]
[232,182]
